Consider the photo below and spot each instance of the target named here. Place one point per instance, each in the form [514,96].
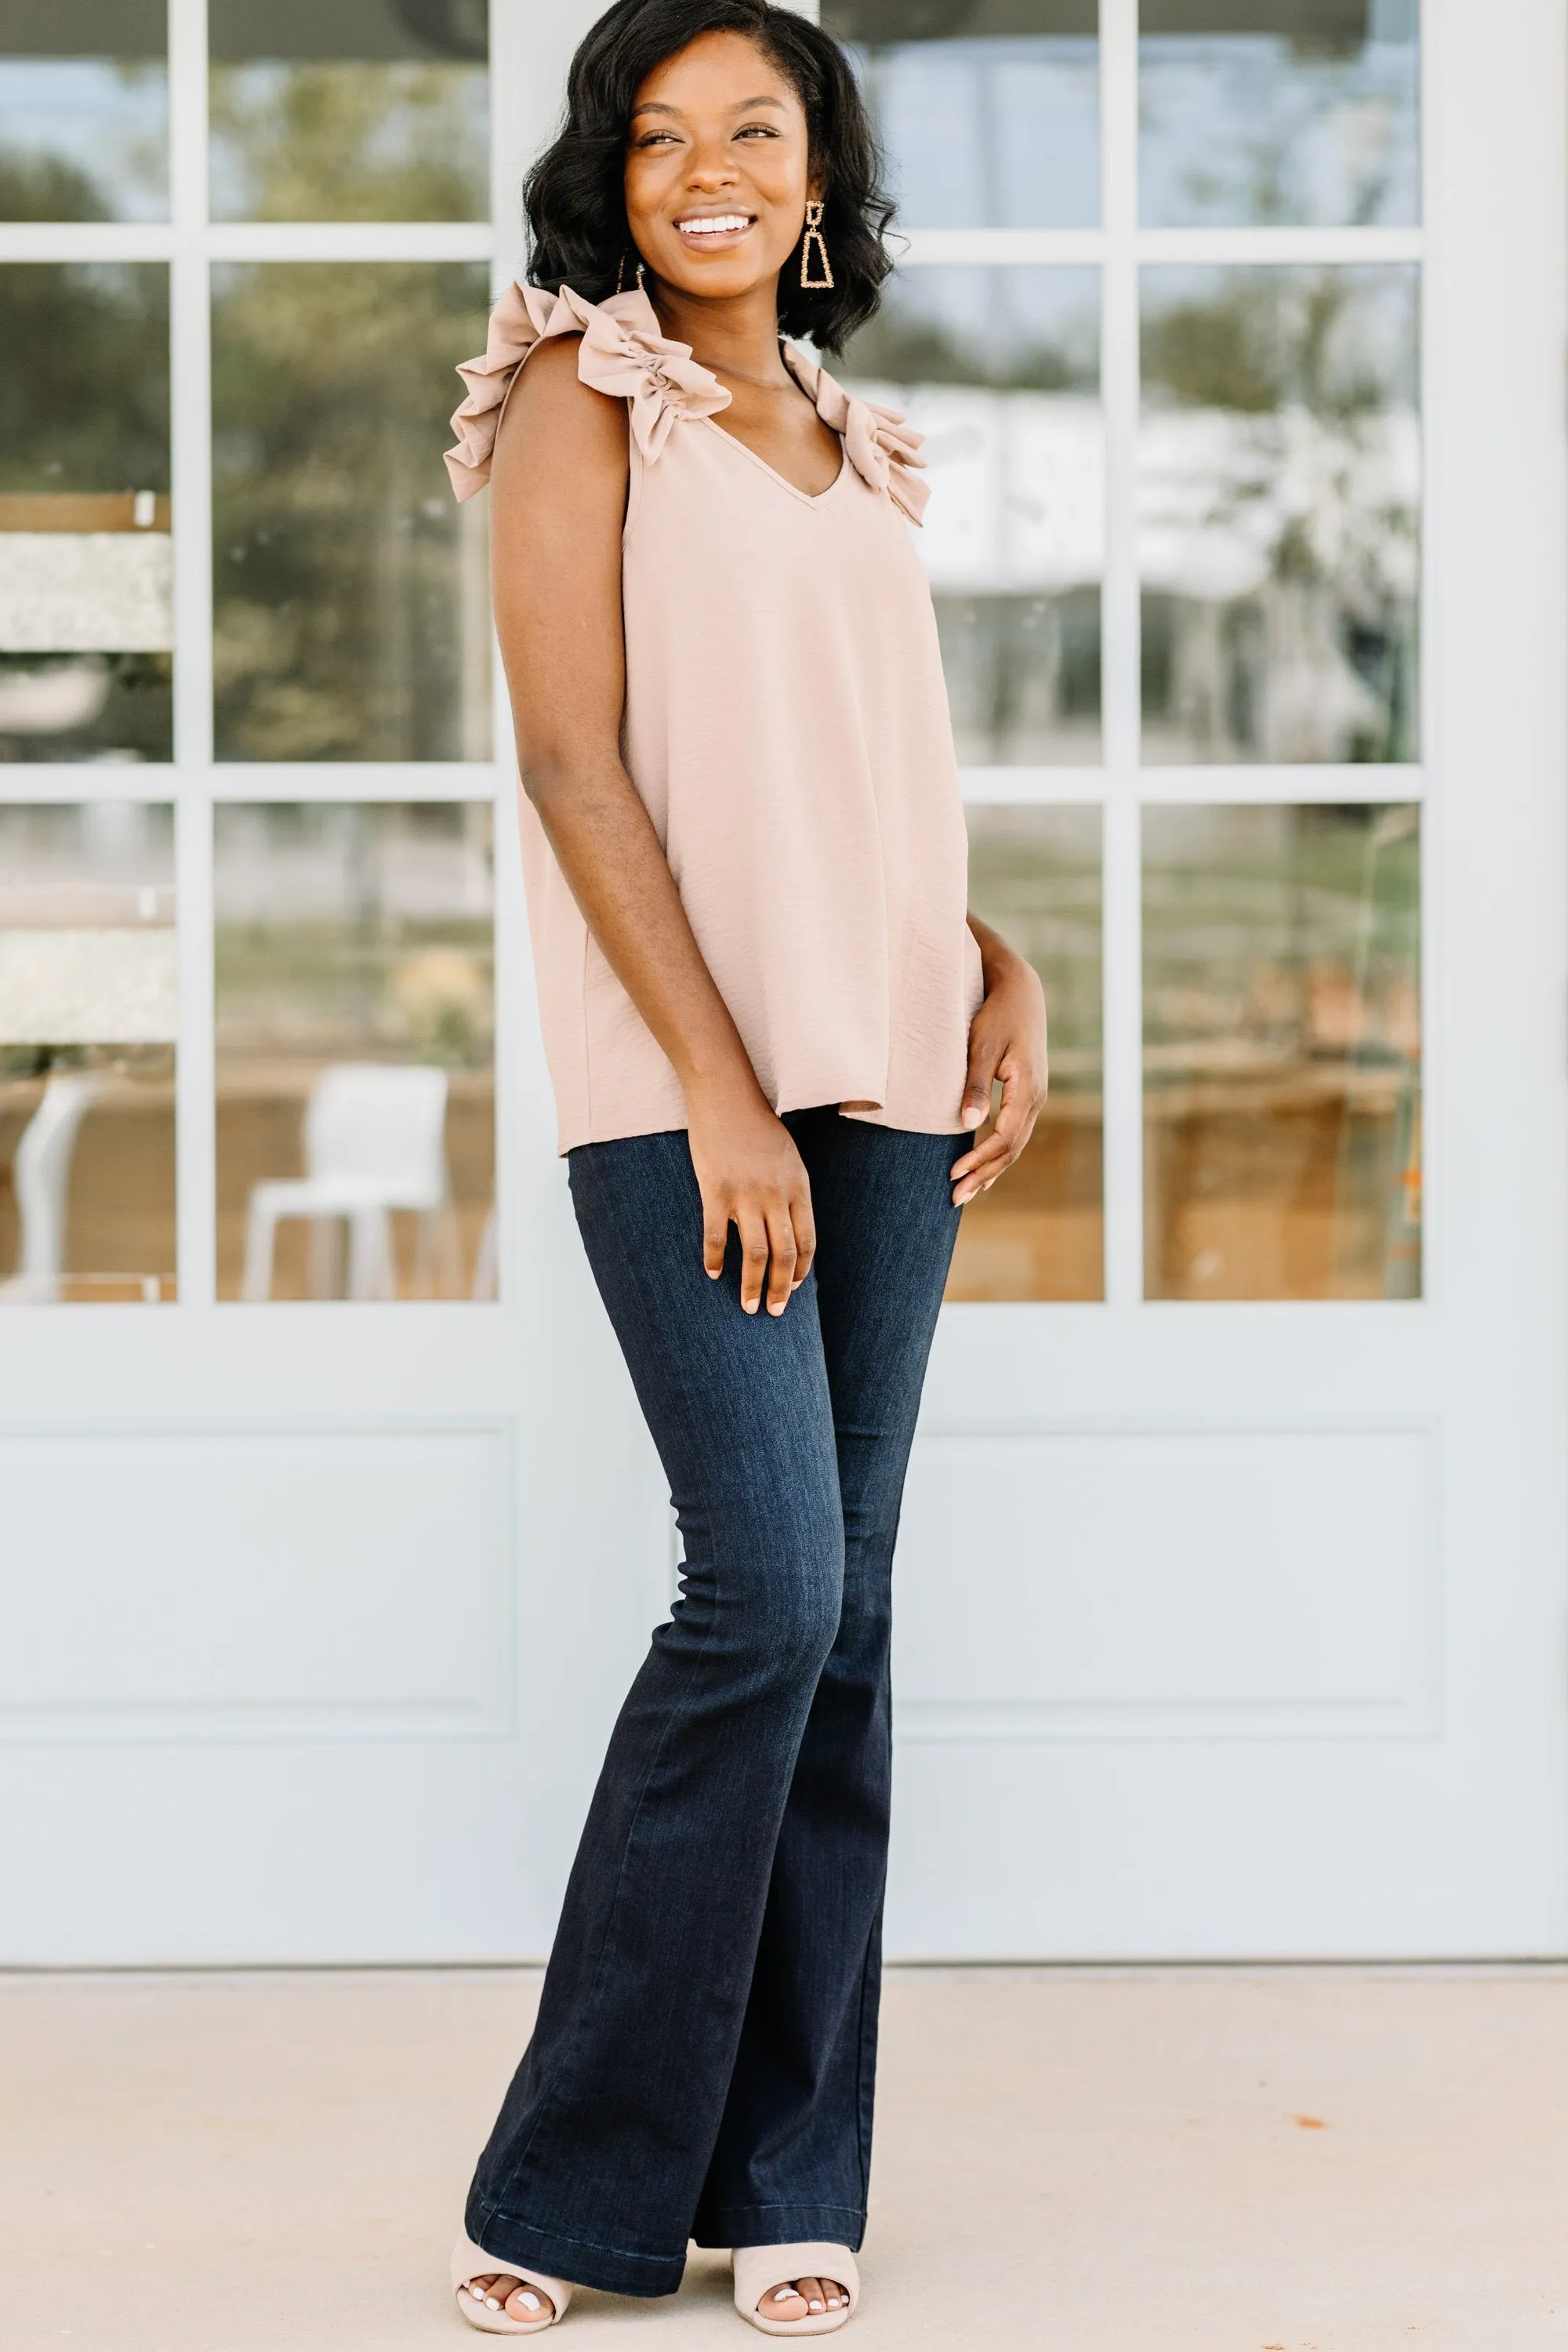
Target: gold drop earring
[812,234]
[621,272]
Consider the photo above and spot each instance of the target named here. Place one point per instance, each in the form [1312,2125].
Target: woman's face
[718,171]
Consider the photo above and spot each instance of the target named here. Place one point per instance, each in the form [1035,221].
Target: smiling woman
[581,192]
[772,1033]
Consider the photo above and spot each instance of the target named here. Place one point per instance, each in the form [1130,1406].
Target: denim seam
[861,2148]
[589,2245]
[793,2205]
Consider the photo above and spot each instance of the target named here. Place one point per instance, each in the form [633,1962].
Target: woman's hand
[1007,1041]
[751,1177]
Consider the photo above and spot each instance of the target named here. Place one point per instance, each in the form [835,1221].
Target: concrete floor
[1078,2160]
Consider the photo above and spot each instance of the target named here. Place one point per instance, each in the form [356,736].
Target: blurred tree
[336,139]
[350,618]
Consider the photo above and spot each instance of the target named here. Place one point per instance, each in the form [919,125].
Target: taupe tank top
[787,726]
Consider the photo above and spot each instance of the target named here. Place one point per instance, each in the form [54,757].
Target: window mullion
[191,510]
[1123,1048]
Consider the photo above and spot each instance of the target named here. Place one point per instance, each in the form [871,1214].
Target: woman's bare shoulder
[559,421]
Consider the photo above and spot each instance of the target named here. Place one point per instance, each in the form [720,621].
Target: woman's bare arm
[1007,1043]
[558,490]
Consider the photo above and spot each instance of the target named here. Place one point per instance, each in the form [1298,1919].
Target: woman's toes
[528,2303]
[815,2294]
[784,2302]
[477,2287]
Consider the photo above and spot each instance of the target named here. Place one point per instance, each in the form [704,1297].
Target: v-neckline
[807,498]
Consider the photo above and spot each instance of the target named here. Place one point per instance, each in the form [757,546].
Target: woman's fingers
[805,1225]
[715,1236]
[781,1256]
[984,1054]
[752,1226]
[769,1204]
[978,1169]
[986,1166]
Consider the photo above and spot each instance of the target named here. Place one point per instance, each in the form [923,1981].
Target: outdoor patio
[1084,2160]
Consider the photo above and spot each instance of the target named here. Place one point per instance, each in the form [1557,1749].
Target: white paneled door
[1233,1581]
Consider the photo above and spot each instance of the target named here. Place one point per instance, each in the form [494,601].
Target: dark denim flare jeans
[703,2061]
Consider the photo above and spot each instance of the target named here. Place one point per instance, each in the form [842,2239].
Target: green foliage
[349,141]
[337,540]
[84,377]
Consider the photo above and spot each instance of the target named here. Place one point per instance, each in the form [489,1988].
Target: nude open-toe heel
[760,2269]
[470,2261]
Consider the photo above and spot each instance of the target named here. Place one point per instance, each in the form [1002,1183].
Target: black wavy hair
[574,200]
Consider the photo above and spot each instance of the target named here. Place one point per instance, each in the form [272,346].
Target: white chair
[40,1171]
[375,1141]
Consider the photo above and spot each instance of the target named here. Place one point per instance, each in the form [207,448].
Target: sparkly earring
[621,273]
[811,234]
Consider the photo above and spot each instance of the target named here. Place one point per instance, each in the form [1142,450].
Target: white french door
[285,1672]
[1232,1586]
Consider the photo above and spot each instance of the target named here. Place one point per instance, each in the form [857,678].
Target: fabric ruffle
[623,353]
[883,449]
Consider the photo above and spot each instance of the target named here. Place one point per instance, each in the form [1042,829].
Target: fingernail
[777,1310]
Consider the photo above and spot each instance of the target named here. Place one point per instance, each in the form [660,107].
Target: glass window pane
[1000,369]
[1278,112]
[1279,513]
[988,109]
[1282,1053]
[1034,872]
[355,1051]
[86,578]
[352,597]
[88,1019]
[370,109]
[84,110]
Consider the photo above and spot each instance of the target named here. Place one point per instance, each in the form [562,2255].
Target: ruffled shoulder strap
[621,353]
[883,449]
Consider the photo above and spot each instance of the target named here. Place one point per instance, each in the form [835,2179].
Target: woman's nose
[711,172]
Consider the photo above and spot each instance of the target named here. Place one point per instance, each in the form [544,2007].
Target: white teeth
[719,226]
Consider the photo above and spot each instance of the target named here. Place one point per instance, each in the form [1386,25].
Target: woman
[770,1029]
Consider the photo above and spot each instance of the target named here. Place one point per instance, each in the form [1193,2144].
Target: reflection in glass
[87,1020]
[376,112]
[85,578]
[1278,513]
[352,601]
[1278,112]
[1000,369]
[988,109]
[1034,872]
[1282,1053]
[355,1051]
[84,110]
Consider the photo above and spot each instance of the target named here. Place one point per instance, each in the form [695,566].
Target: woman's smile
[716,231]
